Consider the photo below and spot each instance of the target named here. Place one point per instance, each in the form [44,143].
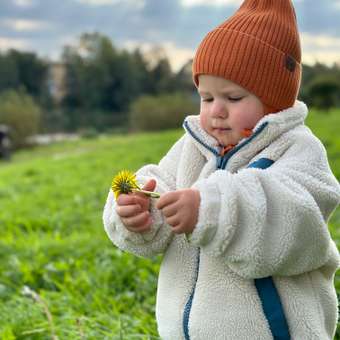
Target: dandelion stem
[147,193]
[27,291]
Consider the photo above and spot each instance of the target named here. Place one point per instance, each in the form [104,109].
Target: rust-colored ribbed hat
[259,49]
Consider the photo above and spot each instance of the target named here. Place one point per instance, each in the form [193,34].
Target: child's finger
[170,210]
[174,221]
[166,199]
[124,199]
[142,200]
[136,221]
[131,199]
[142,228]
[178,229]
[128,210]
[150,185]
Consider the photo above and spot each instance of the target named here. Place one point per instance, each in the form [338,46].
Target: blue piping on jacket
[188,305]
[187,127]
[268,294]
[272,308]
[266,289]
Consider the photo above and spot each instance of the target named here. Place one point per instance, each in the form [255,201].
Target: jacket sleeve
[157,239]
[273,221]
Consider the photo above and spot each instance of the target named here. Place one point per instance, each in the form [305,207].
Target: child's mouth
[221,129]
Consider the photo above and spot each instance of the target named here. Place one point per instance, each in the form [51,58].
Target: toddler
[246,194]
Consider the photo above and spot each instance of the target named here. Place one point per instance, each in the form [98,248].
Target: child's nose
[219,110]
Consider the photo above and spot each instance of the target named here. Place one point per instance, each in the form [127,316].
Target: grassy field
[60,276]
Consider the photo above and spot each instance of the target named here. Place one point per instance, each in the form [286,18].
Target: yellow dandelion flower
[125,182]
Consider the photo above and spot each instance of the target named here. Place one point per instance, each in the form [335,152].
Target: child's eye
[207,99]
[235,99]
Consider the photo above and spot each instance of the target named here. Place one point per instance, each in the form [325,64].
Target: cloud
[320,48]
[318,17]
[179,25]
[137,4]
[24,25]
[321,41]
[98,2]
[329,58]
[177,56]
[24,3]
[7,43]
[192,3]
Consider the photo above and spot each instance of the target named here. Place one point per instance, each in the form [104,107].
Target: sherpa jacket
[260,262]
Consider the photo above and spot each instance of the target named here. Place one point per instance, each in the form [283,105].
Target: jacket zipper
[221,163]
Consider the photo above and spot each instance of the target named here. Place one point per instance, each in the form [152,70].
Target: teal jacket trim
[269,296]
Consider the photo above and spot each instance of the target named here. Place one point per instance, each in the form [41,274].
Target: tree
[88,72]
[162,77]
[100,80]
[183,78]
[9,73]
[98,76]
[32,72]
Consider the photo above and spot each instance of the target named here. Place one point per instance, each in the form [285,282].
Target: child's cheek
[245,120]
[239,122]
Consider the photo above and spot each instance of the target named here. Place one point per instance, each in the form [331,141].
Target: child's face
[227,109]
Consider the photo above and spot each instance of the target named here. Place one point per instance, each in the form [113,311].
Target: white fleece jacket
[262,222]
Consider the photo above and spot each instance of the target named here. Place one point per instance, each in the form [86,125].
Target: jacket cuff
[119,234]
[208,214]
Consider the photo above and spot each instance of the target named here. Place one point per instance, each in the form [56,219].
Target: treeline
[102,82]
[99,87]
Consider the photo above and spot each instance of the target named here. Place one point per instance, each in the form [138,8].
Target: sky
[46,26]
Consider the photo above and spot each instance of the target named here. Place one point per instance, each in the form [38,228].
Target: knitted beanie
[257,48]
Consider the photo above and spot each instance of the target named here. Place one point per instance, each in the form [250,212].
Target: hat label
[290,63]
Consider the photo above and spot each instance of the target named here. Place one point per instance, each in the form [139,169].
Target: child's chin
[227,141]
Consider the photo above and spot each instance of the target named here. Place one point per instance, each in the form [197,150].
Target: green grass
[52,238]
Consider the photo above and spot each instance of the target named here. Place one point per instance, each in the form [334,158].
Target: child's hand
[133,209]
[180,209]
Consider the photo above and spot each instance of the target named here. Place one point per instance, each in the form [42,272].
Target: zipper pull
[247,132]
[226,149]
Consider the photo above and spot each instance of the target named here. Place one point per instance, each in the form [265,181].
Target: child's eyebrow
[202,92]
[228,91]
[225,91]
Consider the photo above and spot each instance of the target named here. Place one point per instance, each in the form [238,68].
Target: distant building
[56,81]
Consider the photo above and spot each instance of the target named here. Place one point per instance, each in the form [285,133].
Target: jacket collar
[266,130]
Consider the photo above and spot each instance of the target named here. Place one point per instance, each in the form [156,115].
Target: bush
[324,92]
[89,133]
[100,120]
[161,112]
[19,111]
